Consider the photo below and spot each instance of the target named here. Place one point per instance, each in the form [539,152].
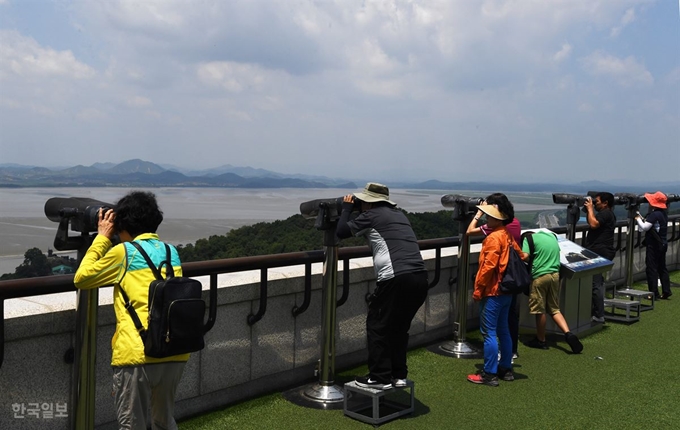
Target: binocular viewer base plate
[378,406]
[456,349]
[316,396]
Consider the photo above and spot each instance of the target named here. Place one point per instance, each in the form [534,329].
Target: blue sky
[455,90]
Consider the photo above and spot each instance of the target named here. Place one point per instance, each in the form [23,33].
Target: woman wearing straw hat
[494,305]
[401,284]
[655,226]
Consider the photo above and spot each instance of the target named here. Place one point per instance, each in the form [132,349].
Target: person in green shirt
[544,296]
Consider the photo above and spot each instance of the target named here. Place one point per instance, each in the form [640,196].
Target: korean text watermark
[40,410]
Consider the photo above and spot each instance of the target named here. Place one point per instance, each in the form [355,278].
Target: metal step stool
[378,406]
[639,296]
[631,308]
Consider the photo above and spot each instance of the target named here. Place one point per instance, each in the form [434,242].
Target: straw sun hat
[374,192]
[492,211]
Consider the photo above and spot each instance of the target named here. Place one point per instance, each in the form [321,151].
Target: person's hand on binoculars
[588,204]
[349,198]
[105,224]
[479,213]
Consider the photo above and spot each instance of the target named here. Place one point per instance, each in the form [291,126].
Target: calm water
[192,213]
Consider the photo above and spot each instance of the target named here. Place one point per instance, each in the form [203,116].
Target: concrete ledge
[239,361]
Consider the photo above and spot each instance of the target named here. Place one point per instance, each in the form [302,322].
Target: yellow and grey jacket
[123,266]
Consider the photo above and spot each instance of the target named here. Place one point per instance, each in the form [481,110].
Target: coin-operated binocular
[629,200]
[81,213]
[570,199]
[574,203]
[326,211]
[463,206]
[672,198]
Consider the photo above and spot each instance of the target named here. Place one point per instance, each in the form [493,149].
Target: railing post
[85,365]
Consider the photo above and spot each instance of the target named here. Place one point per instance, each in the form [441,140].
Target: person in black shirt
[600,240]
[655,226]
[401,285]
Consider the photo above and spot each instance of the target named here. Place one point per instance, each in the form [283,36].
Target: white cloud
[625,71]
[673,77]
[138,101]
[23,57]
[585,107]
[237,77]
[90,114]
[563,53]
[627,18]
[421,75]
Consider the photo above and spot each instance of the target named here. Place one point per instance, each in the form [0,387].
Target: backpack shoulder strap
[532,250]
[154,269]
[169,271]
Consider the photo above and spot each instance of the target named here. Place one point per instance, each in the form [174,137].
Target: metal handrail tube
[297,310]
[345,282]
[437,268]
[252,319]
[212,313]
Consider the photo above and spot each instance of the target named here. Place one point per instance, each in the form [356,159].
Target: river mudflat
[190,213]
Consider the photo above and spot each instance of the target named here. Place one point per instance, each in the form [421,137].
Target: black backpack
[176,312]
[517,276]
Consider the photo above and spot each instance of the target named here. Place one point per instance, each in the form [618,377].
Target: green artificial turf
[625,379]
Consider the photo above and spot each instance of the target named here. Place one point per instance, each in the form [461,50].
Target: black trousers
[655,260]
[390,311]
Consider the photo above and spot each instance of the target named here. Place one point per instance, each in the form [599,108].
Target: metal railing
[19,288]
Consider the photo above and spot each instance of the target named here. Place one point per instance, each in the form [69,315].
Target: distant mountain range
[140,173]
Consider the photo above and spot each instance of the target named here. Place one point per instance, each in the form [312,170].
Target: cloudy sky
[521,90]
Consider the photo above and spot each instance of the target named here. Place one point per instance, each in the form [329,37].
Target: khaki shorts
[545,294]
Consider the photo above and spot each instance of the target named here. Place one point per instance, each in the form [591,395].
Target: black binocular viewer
[311,209]
[453,200]
[463,206]
[82,212]
[326,211]
[628,199]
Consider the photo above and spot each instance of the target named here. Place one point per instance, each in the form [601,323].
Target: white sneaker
[598,319]
[399,382]
[367,382]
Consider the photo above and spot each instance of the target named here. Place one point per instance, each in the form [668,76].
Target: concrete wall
[240,361]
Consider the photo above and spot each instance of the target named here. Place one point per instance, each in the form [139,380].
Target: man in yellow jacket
[139,382]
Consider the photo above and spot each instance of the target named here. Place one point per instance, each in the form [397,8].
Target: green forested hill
[298,234]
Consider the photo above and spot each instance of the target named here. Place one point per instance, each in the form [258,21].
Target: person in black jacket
[401,284]
[600,240]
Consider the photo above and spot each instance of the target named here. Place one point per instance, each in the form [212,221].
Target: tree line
[293,234]
[264,238]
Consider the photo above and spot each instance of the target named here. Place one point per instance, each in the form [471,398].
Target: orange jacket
[493,259]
